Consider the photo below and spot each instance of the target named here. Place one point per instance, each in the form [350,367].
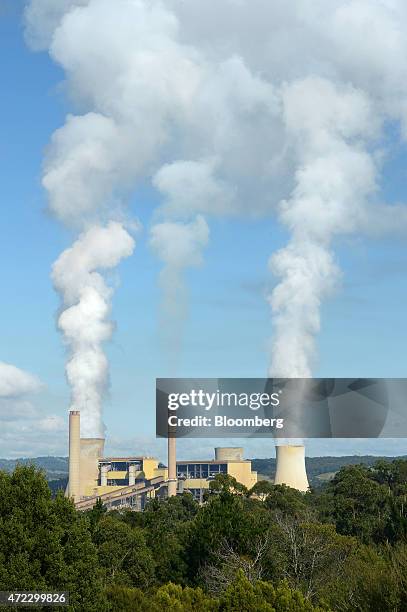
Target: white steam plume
[335,176]
[84,320]
[178,246]
[187,187]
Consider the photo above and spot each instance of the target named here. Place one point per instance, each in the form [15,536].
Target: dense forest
[340,547]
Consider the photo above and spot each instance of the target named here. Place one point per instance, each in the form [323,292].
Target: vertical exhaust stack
[291,467]
[172,467]
[74,480]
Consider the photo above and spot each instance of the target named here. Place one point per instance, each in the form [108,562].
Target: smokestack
[291,467]
[74,455]
[172,467]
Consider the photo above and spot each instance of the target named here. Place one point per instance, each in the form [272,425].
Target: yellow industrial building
[117,473]
[131,481]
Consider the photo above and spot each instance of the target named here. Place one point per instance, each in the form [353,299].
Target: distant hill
[319,469]
[55,467]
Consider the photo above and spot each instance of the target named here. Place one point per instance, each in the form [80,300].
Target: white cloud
[25,428]
[15,382]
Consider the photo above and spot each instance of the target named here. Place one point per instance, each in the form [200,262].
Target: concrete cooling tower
[223,453]
[291,467]
[92,450]
[84,455]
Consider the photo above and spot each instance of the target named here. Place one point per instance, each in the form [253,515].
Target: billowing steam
[255,108]
[177,245]
[84,320]
[327,128]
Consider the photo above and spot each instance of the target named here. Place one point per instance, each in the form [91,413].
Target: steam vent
[291,467]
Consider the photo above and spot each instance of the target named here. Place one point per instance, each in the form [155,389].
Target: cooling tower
[291,467]
[172,467]
[223,453]
[74,455]
[92,450]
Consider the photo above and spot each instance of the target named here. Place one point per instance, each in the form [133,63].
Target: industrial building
[131,481]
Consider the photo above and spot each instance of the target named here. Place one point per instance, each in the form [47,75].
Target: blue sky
[228,328]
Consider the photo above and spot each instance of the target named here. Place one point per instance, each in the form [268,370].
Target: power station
[131,481]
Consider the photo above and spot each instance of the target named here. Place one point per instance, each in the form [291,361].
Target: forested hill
[54,467]
[319,469]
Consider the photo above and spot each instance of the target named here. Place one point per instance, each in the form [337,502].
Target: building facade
[195,476]
[116,474]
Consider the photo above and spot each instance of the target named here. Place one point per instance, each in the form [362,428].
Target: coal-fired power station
[131,481]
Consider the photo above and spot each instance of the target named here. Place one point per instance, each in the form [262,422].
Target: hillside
[54,467]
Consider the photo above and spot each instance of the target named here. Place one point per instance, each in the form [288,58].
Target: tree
[123,553]
[44,543]
[243,596]
[169,597]
[368,584]
[96,513]
[226,484]
[261,489]
[357,504]
[221,518]
[227,563]
[308,555]
[167,525]
[287,501]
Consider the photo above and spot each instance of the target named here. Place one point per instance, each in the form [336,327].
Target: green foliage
[44,543]
[167,526]
[357,503]
[370,503]
[170,597]
[286,500]
[261,489]
[123,553]
[309,555]
[367,585]
[97,512]
[242,596]
[125,599]
[271,549]
[221,518]
[226,484]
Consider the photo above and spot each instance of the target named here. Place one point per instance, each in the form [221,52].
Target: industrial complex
[130,482]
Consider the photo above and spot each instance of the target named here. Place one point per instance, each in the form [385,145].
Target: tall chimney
[291,467]
[74,455]
[172,467]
